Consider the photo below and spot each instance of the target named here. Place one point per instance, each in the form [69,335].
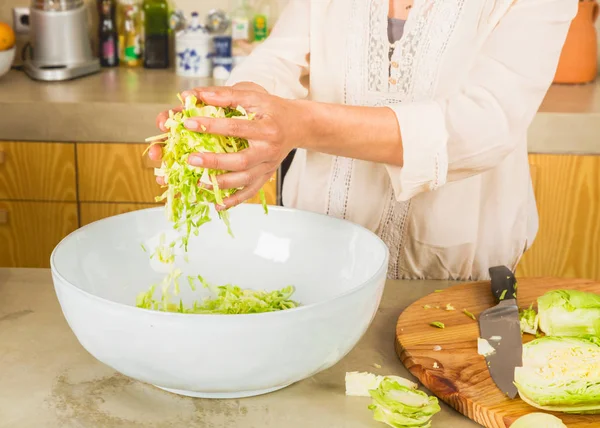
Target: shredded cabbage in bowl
[190,191]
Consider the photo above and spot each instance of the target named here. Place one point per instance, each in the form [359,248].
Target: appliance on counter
[59,40]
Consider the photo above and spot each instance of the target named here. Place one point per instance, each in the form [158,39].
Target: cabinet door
[29,231]
[119,173]
[115,173]
[567,190]
[93,211]
[37,171]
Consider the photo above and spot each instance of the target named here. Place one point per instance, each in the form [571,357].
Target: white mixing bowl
[338,268]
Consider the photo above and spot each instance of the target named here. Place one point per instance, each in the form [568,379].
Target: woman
[418,136]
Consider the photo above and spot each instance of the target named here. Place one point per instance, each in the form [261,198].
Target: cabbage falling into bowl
[338,270]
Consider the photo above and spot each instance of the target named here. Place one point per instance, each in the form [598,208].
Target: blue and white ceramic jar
[193,51]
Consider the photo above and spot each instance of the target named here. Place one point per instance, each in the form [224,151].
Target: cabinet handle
[2,156]
[3,216]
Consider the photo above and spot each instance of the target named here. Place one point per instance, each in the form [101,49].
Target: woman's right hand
[155,152]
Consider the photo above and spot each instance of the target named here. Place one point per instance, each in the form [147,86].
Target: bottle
[156,33]
[261,21]
[241,30]
[241,19]
[107,34]
[130,47]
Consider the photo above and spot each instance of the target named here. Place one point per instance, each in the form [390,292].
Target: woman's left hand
[278,127]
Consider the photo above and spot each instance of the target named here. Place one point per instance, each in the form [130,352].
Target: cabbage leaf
[402,406]
[569,313]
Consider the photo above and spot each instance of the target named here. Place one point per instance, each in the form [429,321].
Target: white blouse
[465,82]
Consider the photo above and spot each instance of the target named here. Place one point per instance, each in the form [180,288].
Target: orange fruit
[7,37]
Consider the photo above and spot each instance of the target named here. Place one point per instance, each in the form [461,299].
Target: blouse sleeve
[281,62]
[475,129]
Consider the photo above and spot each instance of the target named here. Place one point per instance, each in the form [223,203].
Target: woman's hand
[366,133]
[276,129]
[155,152]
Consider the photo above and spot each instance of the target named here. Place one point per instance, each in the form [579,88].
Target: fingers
[155,152]
[244,194]
[249,86]
[239,161]
[236,180]
[163,116]
[225,96]
[247,129]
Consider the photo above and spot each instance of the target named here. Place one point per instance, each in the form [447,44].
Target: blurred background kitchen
[81,83]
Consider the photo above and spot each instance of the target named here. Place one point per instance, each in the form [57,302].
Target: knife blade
[500,327]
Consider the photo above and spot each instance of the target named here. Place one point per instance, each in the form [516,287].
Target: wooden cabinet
[29,231]
[567,190]
[37,171]
[93,211]
[47,190]
[115,173]
[120,173]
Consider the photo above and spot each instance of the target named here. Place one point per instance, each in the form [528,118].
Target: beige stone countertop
[48,380]
[120,105]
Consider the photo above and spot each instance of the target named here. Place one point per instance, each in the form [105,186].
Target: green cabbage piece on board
[400,406]
[561,374]
[538,420]
[529,320]
[569,313]
[190,190]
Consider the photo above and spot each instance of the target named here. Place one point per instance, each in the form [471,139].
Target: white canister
[193,51]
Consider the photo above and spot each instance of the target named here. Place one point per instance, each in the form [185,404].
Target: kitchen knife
[499,326]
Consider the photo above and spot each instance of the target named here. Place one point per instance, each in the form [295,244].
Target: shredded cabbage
[529,320]
[227,299]
[190,191]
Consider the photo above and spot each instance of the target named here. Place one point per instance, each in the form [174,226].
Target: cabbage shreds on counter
[192,190]
[395,401]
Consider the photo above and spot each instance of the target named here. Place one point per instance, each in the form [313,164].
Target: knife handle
[504,283]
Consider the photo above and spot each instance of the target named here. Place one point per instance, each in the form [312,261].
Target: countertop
[120,105]
[48,380]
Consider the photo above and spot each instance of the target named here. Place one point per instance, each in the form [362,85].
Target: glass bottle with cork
[156,33]
[107,34]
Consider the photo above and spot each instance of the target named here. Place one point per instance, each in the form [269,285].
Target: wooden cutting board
[462,379]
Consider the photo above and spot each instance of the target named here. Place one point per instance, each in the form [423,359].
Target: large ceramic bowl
[338,269]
